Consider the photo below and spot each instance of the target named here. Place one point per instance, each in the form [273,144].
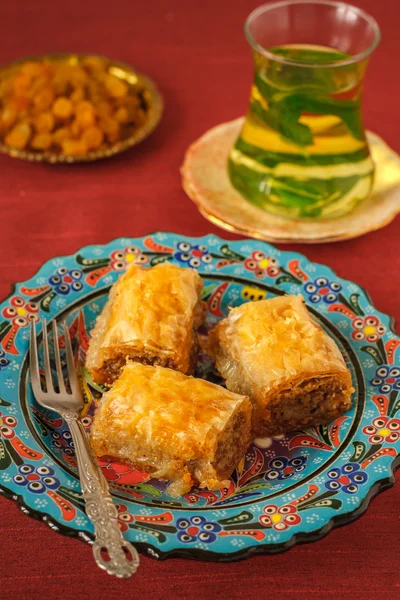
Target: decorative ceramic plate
[286,489]
[135,80]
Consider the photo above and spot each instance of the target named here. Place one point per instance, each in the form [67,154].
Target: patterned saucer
[205,180]
[286,489]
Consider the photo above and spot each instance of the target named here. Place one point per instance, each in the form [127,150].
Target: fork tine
[46,356]
[33,362]
[60,377]
[73,379]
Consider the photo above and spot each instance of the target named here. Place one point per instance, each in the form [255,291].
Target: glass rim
[337,63]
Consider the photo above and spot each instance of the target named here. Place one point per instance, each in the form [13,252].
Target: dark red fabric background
[197,53]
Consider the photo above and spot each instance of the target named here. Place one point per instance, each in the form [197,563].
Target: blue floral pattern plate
[286,489]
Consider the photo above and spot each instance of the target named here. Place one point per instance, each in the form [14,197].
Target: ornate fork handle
[100,508]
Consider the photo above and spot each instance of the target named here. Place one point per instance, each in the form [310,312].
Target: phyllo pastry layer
[178,428]
[151,317]
[275,353]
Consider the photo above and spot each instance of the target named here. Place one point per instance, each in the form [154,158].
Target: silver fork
[123,557]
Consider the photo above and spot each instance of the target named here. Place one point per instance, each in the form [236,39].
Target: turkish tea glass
[302,151]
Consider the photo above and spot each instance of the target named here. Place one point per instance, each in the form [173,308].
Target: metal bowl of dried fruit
[66,108]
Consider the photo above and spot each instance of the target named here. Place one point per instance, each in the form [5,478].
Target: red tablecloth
[197,53]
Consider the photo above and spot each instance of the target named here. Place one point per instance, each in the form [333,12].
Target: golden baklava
[275,353]
[178,428]
[151,317]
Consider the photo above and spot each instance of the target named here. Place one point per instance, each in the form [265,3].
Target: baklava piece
[151,317]
[178,428]
[275,353]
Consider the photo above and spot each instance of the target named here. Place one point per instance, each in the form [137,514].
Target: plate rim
[149,549]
